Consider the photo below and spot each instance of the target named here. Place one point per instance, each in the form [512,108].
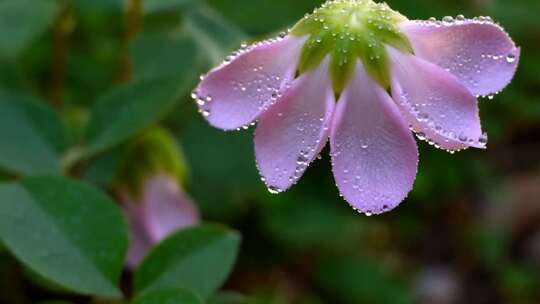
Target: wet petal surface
[436,105]
[236,93]
[292,133]
[478,52]
[374,155]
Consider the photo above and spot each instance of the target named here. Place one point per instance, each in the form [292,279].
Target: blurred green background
[468,233]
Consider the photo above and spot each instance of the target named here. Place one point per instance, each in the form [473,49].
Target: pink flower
[328,78]
[161,209]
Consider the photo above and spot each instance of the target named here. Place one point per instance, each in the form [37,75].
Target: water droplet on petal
[274,190]
[511,58]
[448,20]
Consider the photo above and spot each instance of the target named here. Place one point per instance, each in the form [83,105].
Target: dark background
[468,233]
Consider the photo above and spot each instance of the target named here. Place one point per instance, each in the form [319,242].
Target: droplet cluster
[420,113]
[262,86]
[309,130]
[347,30]
[467,64]
[361,178]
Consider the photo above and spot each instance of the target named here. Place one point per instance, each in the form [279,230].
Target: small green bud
[347,30]
[153,152]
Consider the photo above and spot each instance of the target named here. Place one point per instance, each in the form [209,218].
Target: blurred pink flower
[374,155]
[159,210]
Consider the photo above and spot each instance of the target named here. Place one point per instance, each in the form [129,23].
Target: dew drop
[274,190]
[483,140]
[448,20]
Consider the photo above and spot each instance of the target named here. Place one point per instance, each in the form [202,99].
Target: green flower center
[347,30]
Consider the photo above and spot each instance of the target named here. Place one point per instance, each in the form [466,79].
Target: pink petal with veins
[435,103]
[162,209]
[374,155]
[292,133]
[479,53]
[236,93]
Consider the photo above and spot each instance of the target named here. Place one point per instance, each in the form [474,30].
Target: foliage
[82,82]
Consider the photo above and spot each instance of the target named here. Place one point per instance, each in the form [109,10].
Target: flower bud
[149,185]
[161,209]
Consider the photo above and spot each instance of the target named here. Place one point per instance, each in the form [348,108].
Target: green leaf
[21,21]
[519,17]
[170,296]
[263,16]
[156,6]
[198,259]
[228,298]
[215,35]
[165,54]
[128,109]
[91,6]
[103,169]
[39,281]
[31,136]
[43,118]
[68,232]
[11,76]
[323,224]
[349,279]
[224,162]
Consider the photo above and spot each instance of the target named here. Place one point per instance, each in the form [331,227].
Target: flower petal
[166,207]
[139,241]
[435,103]
[236,93]
[478,52]
[374,154]
[292,133]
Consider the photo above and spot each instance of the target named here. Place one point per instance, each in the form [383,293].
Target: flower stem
[132,27]
[63,30]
